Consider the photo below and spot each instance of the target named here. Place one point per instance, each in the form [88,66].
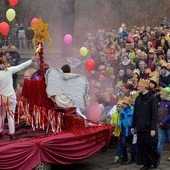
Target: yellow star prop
[41,31]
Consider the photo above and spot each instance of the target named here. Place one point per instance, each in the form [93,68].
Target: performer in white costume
[7,90]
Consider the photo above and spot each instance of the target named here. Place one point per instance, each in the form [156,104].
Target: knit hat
[121,71]
[162,34]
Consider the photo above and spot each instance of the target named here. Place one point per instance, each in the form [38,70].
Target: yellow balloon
[10,14]
[83,51]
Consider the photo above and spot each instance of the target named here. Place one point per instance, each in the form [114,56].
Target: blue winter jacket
[125,123]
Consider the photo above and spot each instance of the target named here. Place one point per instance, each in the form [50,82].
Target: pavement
[104,161]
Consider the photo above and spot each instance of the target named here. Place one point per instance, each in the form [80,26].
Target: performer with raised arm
[7,90]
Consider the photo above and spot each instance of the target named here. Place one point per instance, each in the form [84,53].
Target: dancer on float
[7,90]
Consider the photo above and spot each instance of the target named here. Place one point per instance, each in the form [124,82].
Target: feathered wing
[75,86]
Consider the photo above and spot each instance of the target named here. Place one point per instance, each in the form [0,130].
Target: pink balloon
[4,28]
[90,64]
[13,2]
[68,39]
[34,21]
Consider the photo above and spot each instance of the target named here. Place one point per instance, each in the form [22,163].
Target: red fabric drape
[35,93]
[63,148]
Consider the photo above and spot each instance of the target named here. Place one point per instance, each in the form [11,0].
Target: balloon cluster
[90,63]
[10,15]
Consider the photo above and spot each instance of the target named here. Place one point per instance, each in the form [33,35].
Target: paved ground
[103,161]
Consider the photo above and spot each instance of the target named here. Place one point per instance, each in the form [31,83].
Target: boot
[1,135]
[13,137]
[132,161]
[157,162]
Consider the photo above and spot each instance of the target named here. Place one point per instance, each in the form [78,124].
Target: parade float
[48,134]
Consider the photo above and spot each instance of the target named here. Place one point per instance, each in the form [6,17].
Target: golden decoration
[41,31]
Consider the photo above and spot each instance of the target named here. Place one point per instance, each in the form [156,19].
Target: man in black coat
[145,119]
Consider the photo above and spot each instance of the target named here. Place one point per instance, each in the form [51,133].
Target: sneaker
[13,137]
[168,159]
[115,159]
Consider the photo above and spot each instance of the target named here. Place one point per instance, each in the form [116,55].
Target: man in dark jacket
[145,121]
[30,36]
[164,79]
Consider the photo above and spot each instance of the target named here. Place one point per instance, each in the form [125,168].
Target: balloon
[10,14]
[90,64]
[34,21]
[68,39]
[13,2]
[83,51]
[4,28]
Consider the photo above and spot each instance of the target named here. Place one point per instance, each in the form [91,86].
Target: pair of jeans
[163,134]
[127,140]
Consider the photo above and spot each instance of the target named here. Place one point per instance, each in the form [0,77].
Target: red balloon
[13,2]
[34,21]
[4,28]
[90,64]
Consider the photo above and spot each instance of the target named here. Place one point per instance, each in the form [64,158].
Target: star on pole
[41,31]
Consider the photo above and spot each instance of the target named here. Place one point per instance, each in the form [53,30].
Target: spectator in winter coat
[126,115]
[164,79]
[164,119]
[30,36]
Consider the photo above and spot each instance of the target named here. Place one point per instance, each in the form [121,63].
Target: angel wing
[75,86]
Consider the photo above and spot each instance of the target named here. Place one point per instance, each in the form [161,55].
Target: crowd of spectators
[123,58]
